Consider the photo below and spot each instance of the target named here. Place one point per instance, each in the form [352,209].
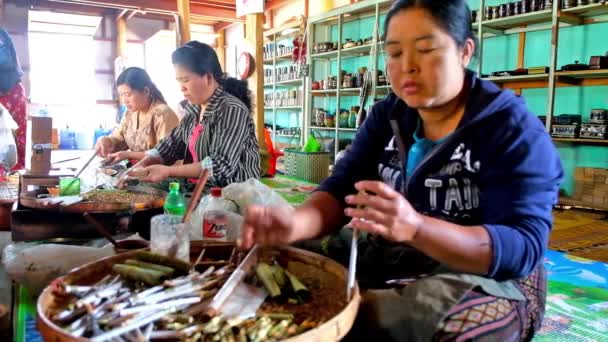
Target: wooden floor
[580,233]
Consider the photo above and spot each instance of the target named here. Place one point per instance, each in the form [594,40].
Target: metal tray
[30,199]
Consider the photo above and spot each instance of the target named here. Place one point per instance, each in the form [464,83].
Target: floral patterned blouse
[141,131]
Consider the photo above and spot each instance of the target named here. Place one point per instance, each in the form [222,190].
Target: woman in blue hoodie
[457,179]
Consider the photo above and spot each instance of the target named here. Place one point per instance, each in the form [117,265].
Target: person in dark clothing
[455,180]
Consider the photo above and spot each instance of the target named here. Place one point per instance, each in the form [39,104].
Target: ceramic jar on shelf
[330,120]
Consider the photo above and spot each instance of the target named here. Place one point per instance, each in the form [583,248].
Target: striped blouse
[228,138]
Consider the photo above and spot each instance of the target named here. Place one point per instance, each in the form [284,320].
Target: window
[62,58]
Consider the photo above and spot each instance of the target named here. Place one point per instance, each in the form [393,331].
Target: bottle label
[214,225]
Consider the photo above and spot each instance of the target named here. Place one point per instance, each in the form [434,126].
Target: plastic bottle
[175,204]
[67,139]
[215,217]
[99,133]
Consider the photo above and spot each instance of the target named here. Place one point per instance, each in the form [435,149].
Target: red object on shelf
[299,50]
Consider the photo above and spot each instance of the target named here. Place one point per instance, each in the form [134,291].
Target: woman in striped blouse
[217,125]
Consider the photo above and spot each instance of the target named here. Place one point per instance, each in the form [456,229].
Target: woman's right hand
[116,157]
[268,226]
[104,147]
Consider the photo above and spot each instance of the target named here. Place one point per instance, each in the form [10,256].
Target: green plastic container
[175,204]
[69,186]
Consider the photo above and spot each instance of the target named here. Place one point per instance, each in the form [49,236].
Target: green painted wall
[575,43]
[500,53]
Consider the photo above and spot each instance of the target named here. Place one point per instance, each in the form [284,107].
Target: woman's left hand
[156,173]
[385,212]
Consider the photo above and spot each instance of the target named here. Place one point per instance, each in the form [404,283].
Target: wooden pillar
[121,36]
[254,35]
[521,49]
[183,7]
[221,48]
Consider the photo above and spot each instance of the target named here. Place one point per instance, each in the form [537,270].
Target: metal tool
[101,229]
[352,262]
[352,265]
[65,161]
[236,298]
[81,170]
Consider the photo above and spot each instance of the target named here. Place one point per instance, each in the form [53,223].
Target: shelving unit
[576,152]
[582,141]
[533,21]
[283,116]
[337,26]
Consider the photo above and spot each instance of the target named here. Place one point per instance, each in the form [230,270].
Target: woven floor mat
[574,218]
[598,253]
[592,234]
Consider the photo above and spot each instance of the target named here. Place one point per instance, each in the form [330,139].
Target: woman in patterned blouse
[217,126]
[147,121]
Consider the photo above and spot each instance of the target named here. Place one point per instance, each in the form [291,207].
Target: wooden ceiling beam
[196,9]
[222,26]
[52,6]
[273,4]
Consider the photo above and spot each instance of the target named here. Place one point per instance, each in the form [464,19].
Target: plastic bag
[312,145]
[36,265]
[8,148]
[255,192]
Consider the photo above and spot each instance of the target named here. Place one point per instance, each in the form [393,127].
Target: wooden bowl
[332,330]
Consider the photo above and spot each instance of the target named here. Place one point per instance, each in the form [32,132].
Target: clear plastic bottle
[175,204]
[215,217]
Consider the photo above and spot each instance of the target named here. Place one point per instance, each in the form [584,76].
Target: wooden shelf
[543,16]
[350,91]
[291,82]
[289,108]
[520,78]
[583,74]
[362,50]
[284,57]
[286,135]
[325,55]
[341,129]
[564,79]
[590,10]
[356,51]
[323,128]
[582,141]
[284,108]
[331,92]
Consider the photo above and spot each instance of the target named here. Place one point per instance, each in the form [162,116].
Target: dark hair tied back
[138,79]
[453,16]
[201,59]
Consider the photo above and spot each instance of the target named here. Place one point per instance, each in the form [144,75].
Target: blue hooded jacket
[10,71]
[498,169]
